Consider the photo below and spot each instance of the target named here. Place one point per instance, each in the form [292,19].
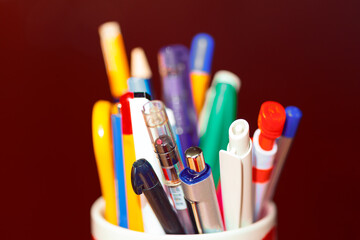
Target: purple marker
[174,71]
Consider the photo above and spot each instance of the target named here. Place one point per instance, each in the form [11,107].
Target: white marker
[144,149]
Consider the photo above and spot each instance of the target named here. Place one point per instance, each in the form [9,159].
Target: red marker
[271,123]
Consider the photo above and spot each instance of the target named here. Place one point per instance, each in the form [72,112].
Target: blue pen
[293,117]
[201,55]
[120,188]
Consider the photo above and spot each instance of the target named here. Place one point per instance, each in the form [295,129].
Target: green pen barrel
[222,114]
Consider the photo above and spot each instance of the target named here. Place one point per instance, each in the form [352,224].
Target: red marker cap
[271,123]
[125,112]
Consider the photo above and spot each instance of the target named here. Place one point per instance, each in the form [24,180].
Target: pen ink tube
[199,190]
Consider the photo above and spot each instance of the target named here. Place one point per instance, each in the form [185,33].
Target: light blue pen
[293,117]
[120,189]
[139,85]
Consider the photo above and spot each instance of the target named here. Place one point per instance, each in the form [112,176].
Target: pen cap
[271,119]
[224,76]
[143,176]
[293,117]
[157,122]
[201,52]
[195,159]
[239,137]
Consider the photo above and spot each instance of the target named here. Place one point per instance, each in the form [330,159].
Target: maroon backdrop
[303,53]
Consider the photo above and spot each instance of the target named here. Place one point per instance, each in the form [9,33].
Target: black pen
[144,180]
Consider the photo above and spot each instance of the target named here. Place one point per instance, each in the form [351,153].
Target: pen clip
[196,216]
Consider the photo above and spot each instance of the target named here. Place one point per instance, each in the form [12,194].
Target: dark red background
[303,53]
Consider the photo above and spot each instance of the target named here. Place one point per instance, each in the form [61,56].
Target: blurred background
[304,53]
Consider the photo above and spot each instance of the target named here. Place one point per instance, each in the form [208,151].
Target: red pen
[271,123]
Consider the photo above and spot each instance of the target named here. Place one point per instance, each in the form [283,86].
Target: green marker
[218,114]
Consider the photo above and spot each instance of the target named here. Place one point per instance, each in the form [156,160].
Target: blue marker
[120,188]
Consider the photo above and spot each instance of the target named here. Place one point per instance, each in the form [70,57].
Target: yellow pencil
[117,66]
[101,132]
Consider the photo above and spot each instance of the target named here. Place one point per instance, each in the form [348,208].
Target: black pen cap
[143,176]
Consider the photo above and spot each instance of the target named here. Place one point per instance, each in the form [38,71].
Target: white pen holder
[264,229]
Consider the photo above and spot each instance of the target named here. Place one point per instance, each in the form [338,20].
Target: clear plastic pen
[164,145]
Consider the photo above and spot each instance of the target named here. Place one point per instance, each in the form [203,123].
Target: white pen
[236,177]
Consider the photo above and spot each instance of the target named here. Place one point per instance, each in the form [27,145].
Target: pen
[201,55]
[270,122]
[164,145]
[144,180]
[174,71]
[141,74]
[199,189]
[219,113]
[236,177]
[292,121]
[172,122]
[133,200]
[101,134]
[113,48]
[119,170]
[143,149]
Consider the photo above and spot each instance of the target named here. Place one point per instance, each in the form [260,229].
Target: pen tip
[139,65]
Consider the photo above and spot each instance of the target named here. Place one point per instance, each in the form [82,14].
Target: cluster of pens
[146,146]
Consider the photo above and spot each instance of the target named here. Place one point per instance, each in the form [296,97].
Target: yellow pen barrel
[199,85]
[133,200]
[101,132]
[117,66]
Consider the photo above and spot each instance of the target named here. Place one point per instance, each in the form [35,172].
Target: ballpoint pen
[217,116]
[144,180]
[164,145]
[143,149]
[201,55]
[174,71]
[101,134]
[172,122]
[199,190]
[117,66]
[120,184]
[271,123]
[236,177]
[292,121]
[133,200]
